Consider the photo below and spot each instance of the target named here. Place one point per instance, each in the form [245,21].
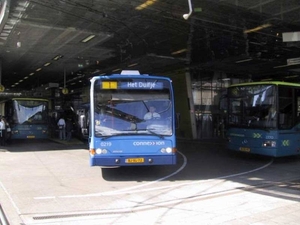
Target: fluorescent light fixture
[179,51]
[258,28]
[4,11]
[281,66]
[20,81]
[133,64]
[267,79]
[47,64]
[25,78]
[57,57]
[116,70]
[145,5]
[87,39]
[38,69]
[291,76]
[31,74]
[243,60]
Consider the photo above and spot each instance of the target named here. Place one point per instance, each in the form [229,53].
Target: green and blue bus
[264,118]
[119,134]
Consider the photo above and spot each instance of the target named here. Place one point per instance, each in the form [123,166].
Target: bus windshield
[123,112]
[252,106]
[30,111]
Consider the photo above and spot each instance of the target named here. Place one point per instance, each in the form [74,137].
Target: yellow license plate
[30,136]
[244,149]
[134,160]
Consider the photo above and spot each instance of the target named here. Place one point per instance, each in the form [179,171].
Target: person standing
[69,128]
[3,130]
[62,128]
[2,127]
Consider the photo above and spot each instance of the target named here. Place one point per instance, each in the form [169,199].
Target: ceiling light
[38,69]
[291,76]
[179,51]
[47,64]
[243,60]
[280,66]
[145,5]
[116,70]
[267,79]
[186,16]
[263,26]
[25,78]
[31,74]
[133,64]
[57,57]
[87,39]
[4,11]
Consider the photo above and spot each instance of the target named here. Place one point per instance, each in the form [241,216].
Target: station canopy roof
[65,42]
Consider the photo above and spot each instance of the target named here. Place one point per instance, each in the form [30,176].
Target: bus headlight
[101,151]
[167,150]
[269,144]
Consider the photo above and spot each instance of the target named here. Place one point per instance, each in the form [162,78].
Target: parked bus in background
[83,121]
[27,117]
[120,135]
[263,118]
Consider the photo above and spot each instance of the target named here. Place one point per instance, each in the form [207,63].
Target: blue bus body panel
[287,142]
[29,132]
[133,151]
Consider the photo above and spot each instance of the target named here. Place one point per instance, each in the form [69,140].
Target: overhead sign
[65,91]
[2,88]
[291,36]
[293,61]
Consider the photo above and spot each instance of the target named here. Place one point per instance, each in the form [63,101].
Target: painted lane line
[138,189]
[121,191]
[10,198]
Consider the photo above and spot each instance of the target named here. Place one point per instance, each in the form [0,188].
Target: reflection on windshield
[127,117]
[252,106]
[33,113]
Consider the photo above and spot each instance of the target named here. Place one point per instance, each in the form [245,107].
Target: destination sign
[141,85]
[150,85]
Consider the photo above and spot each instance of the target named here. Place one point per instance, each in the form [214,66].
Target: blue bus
[27,117]
[264,118]
[120,132]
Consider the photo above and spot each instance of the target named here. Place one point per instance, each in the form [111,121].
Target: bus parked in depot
[263,118]
[27,117]
[120,132]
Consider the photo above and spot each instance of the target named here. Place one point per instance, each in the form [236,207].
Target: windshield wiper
[115,135]
[135,132]
[156,134]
